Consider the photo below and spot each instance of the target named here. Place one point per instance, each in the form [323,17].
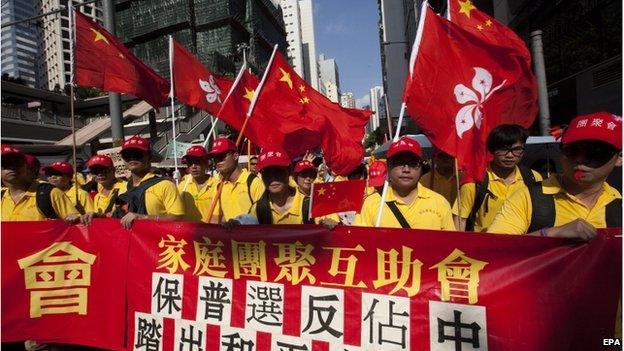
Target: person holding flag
[408,204]
[572,204]
[195,189]
[304,175]
[108,187]
[240,189]
[61,175]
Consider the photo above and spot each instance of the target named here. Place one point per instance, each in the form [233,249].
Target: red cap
[100,160]
[8,150]
[601,126]
[405,144]
[64,168]
[33,162]
[195,151]
[377,173]
[136,142]
[221,145]
[272,158]
[303,165]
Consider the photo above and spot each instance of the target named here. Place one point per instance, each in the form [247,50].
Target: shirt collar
[422,192]
[494,177]
[295,208]
[551,186]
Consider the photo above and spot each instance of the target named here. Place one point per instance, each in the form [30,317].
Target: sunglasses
[220,157]
[132,155]
[98,170]
[190,160]
[593,155]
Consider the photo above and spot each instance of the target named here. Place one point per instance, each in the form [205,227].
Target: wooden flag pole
[458,197]
[176,173]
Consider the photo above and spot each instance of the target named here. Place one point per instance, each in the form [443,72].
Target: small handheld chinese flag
[103,62]
[337,197]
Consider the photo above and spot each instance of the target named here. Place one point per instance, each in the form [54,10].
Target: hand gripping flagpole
[72,39]
[176,173]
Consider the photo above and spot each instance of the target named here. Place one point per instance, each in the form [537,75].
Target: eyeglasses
[194,160]
[412,163]
[220,157]
[516,151]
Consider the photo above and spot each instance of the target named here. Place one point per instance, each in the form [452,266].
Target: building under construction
[213,30]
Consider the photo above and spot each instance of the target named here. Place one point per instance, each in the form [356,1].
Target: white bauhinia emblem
[470,114]
[213,93]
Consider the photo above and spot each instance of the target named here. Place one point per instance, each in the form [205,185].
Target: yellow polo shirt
[428,211]
[442,185]
[515,215]
[294,214]
[83,197]
[234,199]
[162,199]
[26,209]
[196,201]
[102,201]
[492,204]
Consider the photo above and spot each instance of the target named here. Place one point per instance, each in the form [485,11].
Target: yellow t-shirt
[515,215]
[235,199]
[196,201]
[428,211]
[102,201]
[83,197]
[26,209]
[162,199]
[446,187]
[500,191]
[294,215]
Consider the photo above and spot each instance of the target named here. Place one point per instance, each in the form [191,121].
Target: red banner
[304,288]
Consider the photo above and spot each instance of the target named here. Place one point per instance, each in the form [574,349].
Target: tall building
[299,24]
[377,106]
[330,90]
[329,70]
[19,41]
[214,30]
[54,65]
[347,100]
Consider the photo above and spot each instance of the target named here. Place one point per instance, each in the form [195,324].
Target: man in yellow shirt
[61,175]
[25,198]
[579,200]
[240,188]
[196,186]
[108,187]
[480,202]
[407,204]
[441,178]
[304,174]
[147,196]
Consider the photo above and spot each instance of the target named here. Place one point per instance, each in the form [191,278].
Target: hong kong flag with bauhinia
[465,81]
[103,62]
[334,197]
[196,86]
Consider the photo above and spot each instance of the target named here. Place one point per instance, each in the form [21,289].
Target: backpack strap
[613,214]
[397,213]
[250,180]
[305,211]
[2,192]
[134,197]
[44,200]
[543,208]
[112,201]
[263,209]
[481,192]
[527,176]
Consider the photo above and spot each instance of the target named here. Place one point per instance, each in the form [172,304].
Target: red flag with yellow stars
[334,197]
[307,119]
[103,62]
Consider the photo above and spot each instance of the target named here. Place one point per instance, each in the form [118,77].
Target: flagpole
[72,38]
[458,197]
[255,97]
[176,173]
[214,124]
[249,154]
[384,192]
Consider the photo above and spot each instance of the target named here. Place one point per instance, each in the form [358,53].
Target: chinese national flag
[463,82]
[307,119]
[194,84]
[337,197]
[103,62]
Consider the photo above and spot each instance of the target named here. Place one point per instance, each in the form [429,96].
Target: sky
[348,31]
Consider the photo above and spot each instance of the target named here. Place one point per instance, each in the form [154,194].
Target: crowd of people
[421,194]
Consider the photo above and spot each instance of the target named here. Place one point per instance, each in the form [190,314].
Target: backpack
[43,200]
[543,214]
[91,188]
[263,210]
[133,200]
[482,193]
